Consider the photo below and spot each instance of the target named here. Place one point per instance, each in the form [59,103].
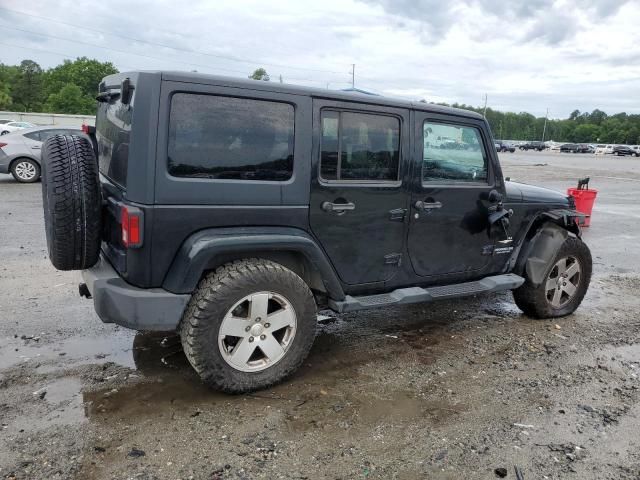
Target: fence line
[50,118]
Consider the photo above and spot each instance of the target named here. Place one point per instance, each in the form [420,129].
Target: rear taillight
[2,144]
[131,221]
[85,128]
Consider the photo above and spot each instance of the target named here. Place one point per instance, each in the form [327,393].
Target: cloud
[553,29]
[526,55]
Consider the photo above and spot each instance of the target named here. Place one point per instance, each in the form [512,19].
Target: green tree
[7,81]
[84,72]
[587,132]
[27,92]
[260,74]
[70,100]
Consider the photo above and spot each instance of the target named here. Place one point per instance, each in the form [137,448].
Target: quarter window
[359,147]
[33,136]
[230,138]
[453,153]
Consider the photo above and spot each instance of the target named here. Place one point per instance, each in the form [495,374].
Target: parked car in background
[504,147]
[4,121]
[604,149]
[569,148]
[583,148]
[13,126]
[553,146]
[539,146]
[20,151]
[624,150]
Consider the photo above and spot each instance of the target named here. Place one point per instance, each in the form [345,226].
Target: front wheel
[248,325]
[564,286]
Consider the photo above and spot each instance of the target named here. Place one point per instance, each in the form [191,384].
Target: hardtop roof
[207,79]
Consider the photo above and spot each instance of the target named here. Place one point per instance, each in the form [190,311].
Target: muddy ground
[450,390]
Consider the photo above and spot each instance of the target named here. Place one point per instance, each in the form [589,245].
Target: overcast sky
[526,55]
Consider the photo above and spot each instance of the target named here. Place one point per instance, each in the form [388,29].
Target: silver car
[20,151]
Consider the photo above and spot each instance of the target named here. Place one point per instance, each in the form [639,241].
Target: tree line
[580,127]
[71,88]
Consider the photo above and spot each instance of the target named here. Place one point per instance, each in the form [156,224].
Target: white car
[604,150]
[13,126]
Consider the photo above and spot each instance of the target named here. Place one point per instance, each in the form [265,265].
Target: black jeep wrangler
[233,210]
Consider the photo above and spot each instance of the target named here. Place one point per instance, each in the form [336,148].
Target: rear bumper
[118,302]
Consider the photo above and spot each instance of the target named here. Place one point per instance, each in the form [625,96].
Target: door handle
[36,148]
[420,205]
[337,207]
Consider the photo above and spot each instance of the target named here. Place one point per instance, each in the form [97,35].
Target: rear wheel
[25,170]
[564,286]
[249,325]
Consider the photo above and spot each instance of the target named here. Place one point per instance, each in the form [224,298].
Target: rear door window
[359,147]
[230,138]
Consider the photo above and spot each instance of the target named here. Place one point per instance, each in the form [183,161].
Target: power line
[141,55]
[224,57]
[50,52]
[115,50]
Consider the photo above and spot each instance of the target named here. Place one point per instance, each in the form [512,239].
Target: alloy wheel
[257,331]
[563,281]
[25,171]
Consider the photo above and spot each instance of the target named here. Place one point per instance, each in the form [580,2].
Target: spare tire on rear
[72,202]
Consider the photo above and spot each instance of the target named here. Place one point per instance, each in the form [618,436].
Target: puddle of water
[74,350]
[61,405]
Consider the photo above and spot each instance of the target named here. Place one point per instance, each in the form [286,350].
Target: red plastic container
[584,202]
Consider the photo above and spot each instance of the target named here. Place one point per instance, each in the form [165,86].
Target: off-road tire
[72,202]
[216,293]
[16,174]
[532,299]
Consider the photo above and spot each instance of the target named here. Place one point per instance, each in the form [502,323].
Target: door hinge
[397,214]
[393,259]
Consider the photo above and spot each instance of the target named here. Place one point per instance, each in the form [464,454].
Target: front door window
[453,154]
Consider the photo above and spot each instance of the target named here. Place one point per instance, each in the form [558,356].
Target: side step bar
[404,296]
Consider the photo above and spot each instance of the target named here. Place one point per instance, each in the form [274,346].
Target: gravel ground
[443,391]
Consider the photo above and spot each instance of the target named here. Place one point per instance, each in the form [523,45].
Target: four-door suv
[624,150]
[539,146]
[233,210]
[504,147]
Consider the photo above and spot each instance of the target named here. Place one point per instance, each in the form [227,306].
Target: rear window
[230,138]
[113,129]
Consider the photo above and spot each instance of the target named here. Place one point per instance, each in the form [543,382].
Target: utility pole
[544,129]
[353,75]
[484,113]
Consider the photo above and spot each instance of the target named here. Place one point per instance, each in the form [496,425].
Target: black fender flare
[539,251]
[208,249]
